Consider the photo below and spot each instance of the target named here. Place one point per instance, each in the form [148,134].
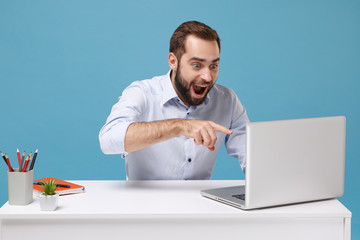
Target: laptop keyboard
[240,196]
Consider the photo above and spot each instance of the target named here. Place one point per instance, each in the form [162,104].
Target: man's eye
[214,66]
[196,65]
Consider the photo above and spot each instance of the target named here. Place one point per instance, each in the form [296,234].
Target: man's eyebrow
[202,60]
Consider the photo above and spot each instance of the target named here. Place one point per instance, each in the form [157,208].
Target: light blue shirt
[177,158]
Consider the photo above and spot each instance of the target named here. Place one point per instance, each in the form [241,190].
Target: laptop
[289,161]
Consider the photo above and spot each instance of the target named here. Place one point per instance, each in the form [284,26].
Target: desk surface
[160,199]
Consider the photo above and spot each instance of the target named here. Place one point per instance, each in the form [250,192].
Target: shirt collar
[169,91]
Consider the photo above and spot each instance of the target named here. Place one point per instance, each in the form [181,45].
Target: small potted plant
[49,198]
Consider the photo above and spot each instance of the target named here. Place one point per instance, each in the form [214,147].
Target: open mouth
[199,90]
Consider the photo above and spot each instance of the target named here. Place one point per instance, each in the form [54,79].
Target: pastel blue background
[64,63]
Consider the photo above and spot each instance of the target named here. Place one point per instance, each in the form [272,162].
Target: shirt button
[189,160]
[187,113]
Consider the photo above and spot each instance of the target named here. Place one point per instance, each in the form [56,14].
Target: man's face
[197,70]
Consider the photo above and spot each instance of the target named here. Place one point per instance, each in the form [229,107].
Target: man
[172,126]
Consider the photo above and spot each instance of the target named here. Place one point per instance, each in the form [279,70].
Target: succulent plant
[49,187]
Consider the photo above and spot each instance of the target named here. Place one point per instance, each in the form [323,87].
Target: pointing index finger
[220,128]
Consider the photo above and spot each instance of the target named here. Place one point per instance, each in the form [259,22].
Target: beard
[184,89]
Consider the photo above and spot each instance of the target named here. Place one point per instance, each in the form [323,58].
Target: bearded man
[172,126]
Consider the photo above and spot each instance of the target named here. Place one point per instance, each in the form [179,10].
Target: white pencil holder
[20,187]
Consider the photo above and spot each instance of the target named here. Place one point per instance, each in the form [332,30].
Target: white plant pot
[49,202]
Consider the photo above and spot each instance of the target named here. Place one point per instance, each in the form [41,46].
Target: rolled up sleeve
[125,112]
[236,143]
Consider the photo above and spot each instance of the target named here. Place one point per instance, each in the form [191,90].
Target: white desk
[169,210]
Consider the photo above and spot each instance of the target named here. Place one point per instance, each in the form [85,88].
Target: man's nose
[206,76]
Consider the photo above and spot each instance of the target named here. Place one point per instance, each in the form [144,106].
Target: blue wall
[64,63]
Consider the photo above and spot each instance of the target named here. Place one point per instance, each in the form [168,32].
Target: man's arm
[236,143]
[124,131]
[141,135]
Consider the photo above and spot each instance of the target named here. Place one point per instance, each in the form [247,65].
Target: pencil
[28,164]
[22,160]
[3,157]
[25,164]
[8,163]
[33,160]
[18,156]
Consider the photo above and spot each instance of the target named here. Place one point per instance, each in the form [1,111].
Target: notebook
[74,188]
[289,161]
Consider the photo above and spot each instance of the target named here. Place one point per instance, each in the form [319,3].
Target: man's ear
[173,62]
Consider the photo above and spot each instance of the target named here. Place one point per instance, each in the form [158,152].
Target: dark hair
[198,29]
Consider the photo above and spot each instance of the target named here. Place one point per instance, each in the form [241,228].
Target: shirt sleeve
[235,143]
[126,111]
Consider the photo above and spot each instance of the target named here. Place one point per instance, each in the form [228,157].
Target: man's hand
[203,132]
[142,135]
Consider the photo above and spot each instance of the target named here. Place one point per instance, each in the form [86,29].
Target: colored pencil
[19,158]
[25,164]
[3,156]
[33,160]
[8,163]
[28,165]
[22,160]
